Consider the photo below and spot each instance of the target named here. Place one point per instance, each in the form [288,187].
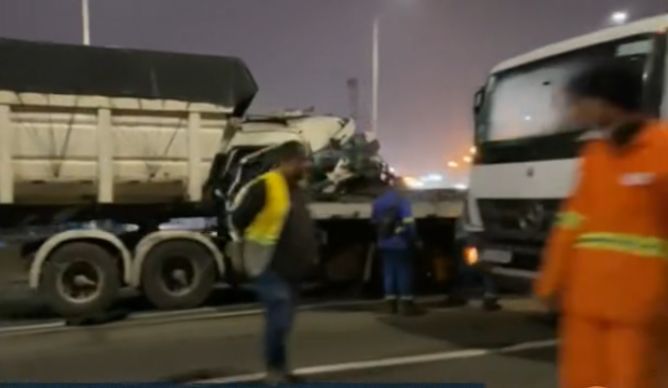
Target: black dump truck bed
[71,69]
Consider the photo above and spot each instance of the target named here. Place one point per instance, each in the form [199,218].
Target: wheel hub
[80,282]
[179,275]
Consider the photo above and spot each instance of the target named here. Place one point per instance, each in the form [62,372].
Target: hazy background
[434,53]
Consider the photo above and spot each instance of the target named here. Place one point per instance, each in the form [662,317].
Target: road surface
[511,348]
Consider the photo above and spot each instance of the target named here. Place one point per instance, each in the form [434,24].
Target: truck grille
[518,226]
[517,221]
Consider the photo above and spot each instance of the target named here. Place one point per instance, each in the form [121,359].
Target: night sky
[434,53]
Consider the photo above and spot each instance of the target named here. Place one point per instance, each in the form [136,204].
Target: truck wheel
[80,279]
[178,274]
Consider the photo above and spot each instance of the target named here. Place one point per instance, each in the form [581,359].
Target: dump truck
[117,168]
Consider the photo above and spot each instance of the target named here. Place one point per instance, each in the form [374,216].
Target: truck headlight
[471,256]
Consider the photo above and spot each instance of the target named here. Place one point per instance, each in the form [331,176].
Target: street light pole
[375,64]
[85,22]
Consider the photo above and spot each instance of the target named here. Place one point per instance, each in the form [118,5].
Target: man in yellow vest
[279,246]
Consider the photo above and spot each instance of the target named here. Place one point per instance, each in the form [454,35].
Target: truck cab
[528,155]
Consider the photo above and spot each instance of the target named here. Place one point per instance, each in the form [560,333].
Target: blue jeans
[397,273]
[279,300]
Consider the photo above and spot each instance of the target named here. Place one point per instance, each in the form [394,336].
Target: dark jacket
[296,250]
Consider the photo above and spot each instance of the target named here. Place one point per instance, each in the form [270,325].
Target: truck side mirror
[478,100]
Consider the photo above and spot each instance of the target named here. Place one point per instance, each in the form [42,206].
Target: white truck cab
[527,155]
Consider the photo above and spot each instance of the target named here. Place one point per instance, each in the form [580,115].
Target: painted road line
[173,313]
[249,310]
[204,313]
[167,317]
[533,345]
[33,328]
[518,273]
[393,361]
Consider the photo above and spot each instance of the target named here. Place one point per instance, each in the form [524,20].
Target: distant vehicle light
[473,150]
[432,178]
[413,183]
[453,164]
[471,256]
[468,159]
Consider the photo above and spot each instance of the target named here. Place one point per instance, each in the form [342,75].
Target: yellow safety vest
[261,236]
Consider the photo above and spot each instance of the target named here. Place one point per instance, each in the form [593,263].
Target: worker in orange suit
[606,263]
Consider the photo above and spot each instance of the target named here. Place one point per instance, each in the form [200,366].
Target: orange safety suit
[606,265]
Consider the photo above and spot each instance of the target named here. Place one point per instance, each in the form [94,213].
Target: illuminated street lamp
[619,17]
[453,164]
[473,150]
[468,159]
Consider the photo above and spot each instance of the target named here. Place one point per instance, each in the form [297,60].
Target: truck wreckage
[346,164]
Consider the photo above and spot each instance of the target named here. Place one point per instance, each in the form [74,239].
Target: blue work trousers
[397,273]
[279,300]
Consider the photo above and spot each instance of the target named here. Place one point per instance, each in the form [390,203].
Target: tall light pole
[85,22]
[375,69]
[354,96]
[375,80]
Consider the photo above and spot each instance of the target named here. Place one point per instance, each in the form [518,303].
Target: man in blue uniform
[397,240]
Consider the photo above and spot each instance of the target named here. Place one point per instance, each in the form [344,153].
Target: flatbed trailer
[80,267]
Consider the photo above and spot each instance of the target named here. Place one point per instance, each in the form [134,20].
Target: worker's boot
[491,303]
[389,306]
[408,308]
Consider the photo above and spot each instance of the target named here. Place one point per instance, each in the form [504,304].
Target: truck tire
[80,279]
[178,275]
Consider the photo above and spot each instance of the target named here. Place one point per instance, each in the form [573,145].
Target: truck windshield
[527,101]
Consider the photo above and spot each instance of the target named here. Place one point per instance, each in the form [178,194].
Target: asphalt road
[511,348]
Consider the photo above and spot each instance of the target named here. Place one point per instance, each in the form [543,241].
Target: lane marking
[517,273]
[251,309]
[216,313]
[169,314]
[33,328]
[392,361]
[202,313]
[176,316]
